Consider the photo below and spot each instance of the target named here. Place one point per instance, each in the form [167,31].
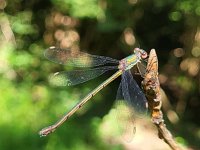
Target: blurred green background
[102,27]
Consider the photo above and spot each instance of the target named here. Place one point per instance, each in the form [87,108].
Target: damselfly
[128,88]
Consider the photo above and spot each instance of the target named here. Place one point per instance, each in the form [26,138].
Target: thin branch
[151,87]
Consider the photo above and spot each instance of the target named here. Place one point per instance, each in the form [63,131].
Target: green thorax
[131,61]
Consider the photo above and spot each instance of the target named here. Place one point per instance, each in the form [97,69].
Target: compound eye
[144,55]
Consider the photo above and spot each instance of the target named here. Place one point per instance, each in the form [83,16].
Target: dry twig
[152,91]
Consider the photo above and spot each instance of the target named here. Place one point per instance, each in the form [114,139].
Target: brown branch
[151,87]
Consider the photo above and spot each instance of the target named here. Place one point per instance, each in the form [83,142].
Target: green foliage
[189,7]
[80,9]
[21,23]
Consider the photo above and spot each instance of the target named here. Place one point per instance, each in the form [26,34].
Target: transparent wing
[69,78]
[76,59]
[129,99]
[132,93]
[119,92]
[125,119]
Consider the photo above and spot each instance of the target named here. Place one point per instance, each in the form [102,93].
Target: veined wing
[69,78]
[76,59]
[130,99]
[133,94]
[125,117]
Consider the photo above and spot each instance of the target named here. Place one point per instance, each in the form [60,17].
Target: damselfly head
[142,52]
